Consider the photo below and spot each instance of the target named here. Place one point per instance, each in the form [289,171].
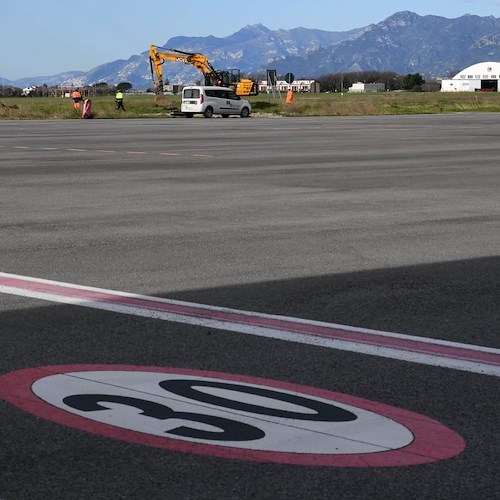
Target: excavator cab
[234,75]
[218,79]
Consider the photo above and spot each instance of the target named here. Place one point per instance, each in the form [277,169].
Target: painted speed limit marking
[229,416]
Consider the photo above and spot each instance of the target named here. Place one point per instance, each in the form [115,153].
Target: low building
[481,77]
[28,91]
[62,91]
[302,86]
[367,87]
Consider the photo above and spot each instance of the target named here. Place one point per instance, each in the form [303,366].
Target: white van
[213,100]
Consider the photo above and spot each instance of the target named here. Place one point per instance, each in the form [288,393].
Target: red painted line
[373,338]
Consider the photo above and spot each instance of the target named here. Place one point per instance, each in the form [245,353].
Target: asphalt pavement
[388,225]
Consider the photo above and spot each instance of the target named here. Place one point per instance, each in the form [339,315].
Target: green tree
[124,86]
[413,82]
[102,88]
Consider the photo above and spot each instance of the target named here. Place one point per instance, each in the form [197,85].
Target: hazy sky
[47,37]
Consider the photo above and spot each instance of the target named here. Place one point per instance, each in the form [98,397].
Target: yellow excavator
[226,78]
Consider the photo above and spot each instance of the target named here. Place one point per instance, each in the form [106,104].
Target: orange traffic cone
[289,96]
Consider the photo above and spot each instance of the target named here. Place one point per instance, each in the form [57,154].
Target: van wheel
[245,113]
[208,112]
[225,116]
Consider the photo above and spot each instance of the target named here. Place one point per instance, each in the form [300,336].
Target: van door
[231,102]
[191,101]
[211,99]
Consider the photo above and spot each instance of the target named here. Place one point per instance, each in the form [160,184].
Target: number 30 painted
[230,416]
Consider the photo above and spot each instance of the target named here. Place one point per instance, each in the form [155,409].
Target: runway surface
[250,308]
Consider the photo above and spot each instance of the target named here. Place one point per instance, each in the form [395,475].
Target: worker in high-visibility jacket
[76,95]
[119,100]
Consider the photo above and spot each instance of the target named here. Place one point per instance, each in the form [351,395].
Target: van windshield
[192,93]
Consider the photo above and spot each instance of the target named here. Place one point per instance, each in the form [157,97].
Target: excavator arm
[200,62]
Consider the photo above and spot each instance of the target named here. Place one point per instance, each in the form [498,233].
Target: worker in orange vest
[77,97]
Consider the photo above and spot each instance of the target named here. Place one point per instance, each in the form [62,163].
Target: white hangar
[482,77]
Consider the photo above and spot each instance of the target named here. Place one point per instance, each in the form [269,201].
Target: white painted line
[170,154]
[77,150]
[414,349]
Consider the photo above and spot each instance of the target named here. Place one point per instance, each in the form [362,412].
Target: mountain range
[404,43]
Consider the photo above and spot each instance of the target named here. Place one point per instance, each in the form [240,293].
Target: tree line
[331,82]
[340,82]
[98,89]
